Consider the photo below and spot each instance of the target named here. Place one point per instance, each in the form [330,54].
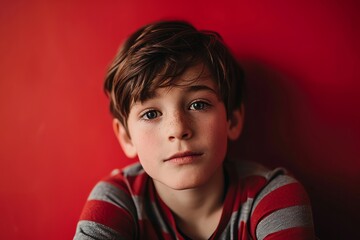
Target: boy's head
[156,55]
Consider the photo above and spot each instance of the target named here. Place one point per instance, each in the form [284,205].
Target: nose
[179,127]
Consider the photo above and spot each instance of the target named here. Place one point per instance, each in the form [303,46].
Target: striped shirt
[259,204]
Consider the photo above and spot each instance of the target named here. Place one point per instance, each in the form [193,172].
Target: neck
[196,207]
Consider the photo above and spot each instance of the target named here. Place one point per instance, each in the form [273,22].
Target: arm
[282,211]
[109,213]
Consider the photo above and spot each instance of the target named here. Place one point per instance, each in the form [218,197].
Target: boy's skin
[180,136]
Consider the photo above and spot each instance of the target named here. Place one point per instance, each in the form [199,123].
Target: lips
[184,157]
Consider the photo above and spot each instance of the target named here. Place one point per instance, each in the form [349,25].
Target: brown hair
[157,53]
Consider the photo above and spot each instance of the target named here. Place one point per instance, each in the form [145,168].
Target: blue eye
[199,105]
[152,114]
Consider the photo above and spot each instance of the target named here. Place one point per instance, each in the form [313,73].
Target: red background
[56,141]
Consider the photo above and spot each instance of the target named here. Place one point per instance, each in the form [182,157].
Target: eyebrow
[196,88]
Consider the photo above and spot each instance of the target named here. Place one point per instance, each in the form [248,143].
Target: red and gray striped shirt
[259,204]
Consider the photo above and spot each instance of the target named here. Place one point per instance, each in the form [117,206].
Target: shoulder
[110,209]
[280,207]
[261,181]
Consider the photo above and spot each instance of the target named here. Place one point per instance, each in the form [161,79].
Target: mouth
[184,157]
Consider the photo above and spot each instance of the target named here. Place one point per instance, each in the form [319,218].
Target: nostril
[183,136]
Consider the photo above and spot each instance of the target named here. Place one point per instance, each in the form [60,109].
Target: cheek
[215,130]
[145,139]
[217,123]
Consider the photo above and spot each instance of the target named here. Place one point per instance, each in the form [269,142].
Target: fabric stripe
[88,230]
[245,210]
[230,229]
[291,217]
[276,183]
[236,222]
[286,196]
[107,192]
[276,172]
[140,208]
[133,170]
[226,233]
[160,219]
[297,233]
[109,215]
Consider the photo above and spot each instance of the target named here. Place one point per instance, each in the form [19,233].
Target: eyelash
[204,106]
[145,116]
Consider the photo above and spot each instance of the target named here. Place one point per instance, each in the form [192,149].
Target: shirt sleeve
[109,213]
[282,211]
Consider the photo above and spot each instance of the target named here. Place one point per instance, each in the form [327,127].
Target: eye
[199,105]
[151,114]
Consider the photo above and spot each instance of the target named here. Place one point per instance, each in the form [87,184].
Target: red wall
[301,59]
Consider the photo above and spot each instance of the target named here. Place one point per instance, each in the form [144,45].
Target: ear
[235,123]
[124,139]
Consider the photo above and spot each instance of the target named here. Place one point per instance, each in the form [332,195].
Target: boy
[176,97]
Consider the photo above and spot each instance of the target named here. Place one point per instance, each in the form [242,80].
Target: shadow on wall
[274,105]
[279,131]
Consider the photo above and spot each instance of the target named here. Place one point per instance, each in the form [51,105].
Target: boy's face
[180,135]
